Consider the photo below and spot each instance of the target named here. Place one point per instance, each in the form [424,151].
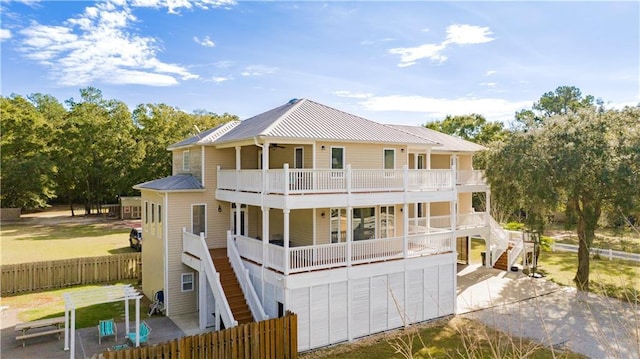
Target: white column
[285,171]
[487,208]
[265,242]
[202,299]
[238,226]
[405,238]
[428,159]
[66,326]
[126,316]
[73,334]
[238,158]
[265,168]
[286,240]
[349,236]
[137,322]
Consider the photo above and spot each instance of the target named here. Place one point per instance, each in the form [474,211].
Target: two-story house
[355,226]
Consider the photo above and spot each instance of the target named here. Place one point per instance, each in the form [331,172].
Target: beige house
[355,226]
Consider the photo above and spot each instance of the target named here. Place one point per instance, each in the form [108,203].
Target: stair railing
[198,246]
[242,274]
[499,241]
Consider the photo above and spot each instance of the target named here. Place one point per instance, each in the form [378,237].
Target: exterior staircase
[231,287]
[503,261]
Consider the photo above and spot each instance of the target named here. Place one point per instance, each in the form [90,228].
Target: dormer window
[186,161]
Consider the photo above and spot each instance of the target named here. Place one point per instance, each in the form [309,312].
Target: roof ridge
[411,133]
[296,104]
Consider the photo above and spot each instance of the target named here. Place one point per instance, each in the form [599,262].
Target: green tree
[28,172]
[160,125]
[473,127]
[584,158]
[562,101]
[99,137]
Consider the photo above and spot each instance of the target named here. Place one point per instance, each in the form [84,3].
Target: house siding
[301,227]
[152,252]
[360,155]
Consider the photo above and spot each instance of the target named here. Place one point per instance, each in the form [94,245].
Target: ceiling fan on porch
[275,145]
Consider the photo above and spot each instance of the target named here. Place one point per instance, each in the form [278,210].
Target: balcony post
[287,263]
[405,237]
[348,179]
[487,209]
[285,171]
[349,237]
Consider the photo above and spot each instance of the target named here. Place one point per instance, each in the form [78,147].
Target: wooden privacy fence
[269,339]
[29,277]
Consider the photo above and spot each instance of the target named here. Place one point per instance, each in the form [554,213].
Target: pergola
[106,294]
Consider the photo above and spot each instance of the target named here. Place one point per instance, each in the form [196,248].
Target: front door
[243,222]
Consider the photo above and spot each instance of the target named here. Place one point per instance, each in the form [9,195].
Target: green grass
[23,243]
[608,277]
[451,338]
[50,304]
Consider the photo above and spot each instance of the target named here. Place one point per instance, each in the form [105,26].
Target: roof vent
[293,100]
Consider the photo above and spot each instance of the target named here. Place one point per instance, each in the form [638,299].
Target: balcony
[327,256]
[287,181]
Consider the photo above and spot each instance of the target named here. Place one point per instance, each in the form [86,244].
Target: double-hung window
[186,161]
[337,161]
[389,162]
[199,219]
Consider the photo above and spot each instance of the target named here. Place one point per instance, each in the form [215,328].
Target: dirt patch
[61,215]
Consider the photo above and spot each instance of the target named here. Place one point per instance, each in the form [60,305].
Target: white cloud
[488,84]
[456,34]
[5,34]
[410,55]
[98,45]
[490,72]
[350,94]
[174,6]
[491,108]
[258,70]
[207,42]
[221,79]
[467,34]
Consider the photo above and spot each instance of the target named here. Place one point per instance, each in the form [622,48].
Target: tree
[473,127]
[584,158]
[27,169]
[562,101]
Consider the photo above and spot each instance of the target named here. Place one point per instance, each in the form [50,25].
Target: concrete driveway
[594,326]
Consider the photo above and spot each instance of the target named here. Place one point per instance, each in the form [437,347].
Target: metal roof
[207,136]
[184,182]
[448,143]
[308,120]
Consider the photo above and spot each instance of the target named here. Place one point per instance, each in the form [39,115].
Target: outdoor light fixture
[219,209]
[322,147]
[322,214]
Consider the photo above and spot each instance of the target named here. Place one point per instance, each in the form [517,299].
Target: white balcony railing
[325,256]
[470,177]
[300,181]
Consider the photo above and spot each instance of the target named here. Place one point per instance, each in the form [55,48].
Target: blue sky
[393,62]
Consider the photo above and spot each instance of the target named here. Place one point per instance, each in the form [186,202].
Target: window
[186,161]
[160,219]
[337,161]
[298,160]
[387,222]
[146,213]
[389,162]
[364,223]
[338,225]
[153,213]
[187,282]
[198,219]
[389,159]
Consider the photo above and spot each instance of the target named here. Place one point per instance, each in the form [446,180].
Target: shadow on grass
[63,231]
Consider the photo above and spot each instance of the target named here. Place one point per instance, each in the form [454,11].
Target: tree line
[568,153]
[88,151]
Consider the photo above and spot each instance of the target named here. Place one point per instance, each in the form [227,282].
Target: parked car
[135,239]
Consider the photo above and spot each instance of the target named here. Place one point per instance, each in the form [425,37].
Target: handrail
[242,274]
[197,246]
[502,237]
[514,253]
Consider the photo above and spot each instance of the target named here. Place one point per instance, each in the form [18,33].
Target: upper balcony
[288,181]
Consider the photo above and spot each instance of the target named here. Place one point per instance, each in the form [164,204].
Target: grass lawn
[50,304]
[451,338]
[29,241]
[561,267]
